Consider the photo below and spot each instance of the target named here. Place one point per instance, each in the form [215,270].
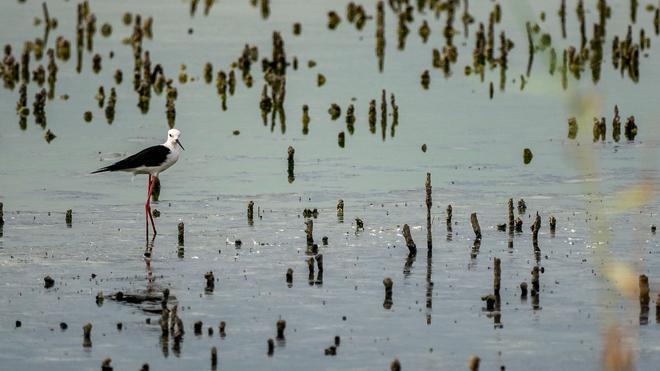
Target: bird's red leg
[147,208]
[152,180]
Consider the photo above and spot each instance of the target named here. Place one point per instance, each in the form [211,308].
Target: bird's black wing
[152,156]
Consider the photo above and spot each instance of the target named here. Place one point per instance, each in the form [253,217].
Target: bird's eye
[170,135]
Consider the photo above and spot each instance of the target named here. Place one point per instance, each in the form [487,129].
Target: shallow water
[474,154]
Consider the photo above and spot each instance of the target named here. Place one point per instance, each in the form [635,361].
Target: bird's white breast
[170,160]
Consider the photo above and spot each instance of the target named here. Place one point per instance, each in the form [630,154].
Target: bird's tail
[101,170]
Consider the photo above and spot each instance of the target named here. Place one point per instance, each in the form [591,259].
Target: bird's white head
[173,139]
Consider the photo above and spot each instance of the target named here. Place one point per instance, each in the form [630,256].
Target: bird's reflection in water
[148,248]
[150,298]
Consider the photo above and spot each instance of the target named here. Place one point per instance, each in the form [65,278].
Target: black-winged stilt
[152,161]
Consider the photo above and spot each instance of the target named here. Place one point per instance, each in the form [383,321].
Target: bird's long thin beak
[179,143]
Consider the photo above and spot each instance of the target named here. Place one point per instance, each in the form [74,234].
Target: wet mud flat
[434,316]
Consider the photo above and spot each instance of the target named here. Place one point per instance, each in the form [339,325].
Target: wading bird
[151,161]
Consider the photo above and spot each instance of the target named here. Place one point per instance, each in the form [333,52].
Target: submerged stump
[412,248]
[387,303]
[475,226]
